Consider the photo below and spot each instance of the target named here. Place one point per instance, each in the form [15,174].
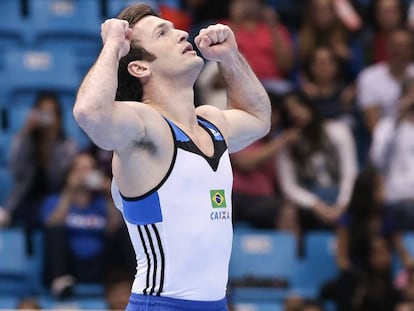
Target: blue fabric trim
[143,211]
[139,302]
[179,134]
[212,128]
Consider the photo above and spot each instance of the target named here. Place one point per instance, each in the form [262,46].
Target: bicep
[113,130]
[242,128]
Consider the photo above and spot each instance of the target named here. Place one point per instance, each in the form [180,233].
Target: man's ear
[139,69]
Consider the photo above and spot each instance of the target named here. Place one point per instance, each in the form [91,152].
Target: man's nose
[182,35]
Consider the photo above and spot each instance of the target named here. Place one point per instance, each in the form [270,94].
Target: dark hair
[53,97]
[314,131]
[310,59]
[129,87]
[372,13]
[361,208]
[362,203]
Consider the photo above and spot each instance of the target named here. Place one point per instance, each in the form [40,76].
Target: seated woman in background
[323,84]
[317,170]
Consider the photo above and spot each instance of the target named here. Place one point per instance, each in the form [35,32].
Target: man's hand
[117,31]
[216,42]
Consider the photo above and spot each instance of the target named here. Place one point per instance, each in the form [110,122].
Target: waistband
[176,304]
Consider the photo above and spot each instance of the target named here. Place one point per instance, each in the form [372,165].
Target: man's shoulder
[210,113]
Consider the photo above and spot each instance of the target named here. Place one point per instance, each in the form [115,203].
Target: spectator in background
[374,290]
[78,222]
[256,197]
[263,40]
[379,85]
[366,219]
[321,26]
[317,170]
[392,151]
[384,17]
[40,156]
[324,85]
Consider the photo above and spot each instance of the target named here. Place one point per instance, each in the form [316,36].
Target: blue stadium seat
[72,24]
[261,255]
[35,264]
[275,306]
[89,290]
[29,71]
[17,116]
[12,24]
[8,302]
[48,302]
[318,264]
[6,183]
[13,267]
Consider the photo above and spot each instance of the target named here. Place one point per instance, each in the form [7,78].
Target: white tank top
[181,230]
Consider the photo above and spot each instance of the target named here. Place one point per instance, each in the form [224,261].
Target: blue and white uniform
[181,230]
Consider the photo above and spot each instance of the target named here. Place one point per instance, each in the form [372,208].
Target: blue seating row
[48,303]
[256,253]
[273,255]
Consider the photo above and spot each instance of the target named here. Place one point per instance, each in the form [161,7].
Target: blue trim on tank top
[144,211]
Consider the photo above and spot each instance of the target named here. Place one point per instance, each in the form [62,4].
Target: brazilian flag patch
[218,199]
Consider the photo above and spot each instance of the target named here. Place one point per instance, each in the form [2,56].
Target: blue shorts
[157,303]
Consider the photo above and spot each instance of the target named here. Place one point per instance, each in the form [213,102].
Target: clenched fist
[216,42]
[117,31]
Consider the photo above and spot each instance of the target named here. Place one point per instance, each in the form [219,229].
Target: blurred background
[323,206]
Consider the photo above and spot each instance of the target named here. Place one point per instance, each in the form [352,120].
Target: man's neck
[174,102]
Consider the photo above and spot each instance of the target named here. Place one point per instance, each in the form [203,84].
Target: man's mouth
[188,48]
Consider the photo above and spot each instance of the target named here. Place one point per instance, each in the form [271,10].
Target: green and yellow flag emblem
[218,199]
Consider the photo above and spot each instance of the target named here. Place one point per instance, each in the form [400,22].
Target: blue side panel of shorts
[143,211]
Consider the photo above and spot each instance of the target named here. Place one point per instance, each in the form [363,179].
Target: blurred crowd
[339,156]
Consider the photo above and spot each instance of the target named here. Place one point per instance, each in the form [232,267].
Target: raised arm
[109,124]
[249,116]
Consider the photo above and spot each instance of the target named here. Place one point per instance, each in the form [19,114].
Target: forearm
[58,216]
[289,185]
[96,94]
[244,90]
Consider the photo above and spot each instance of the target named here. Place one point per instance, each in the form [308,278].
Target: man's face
[174,54]
[400,47]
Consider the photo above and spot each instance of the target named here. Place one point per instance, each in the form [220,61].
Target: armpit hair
[146,145]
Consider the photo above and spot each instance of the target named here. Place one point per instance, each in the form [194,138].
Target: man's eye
[162,33]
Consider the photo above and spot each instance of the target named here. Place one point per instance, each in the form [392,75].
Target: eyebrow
[162,25]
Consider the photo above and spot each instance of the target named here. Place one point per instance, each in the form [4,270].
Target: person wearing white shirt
[317,171]
[378,85]
[392,151]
